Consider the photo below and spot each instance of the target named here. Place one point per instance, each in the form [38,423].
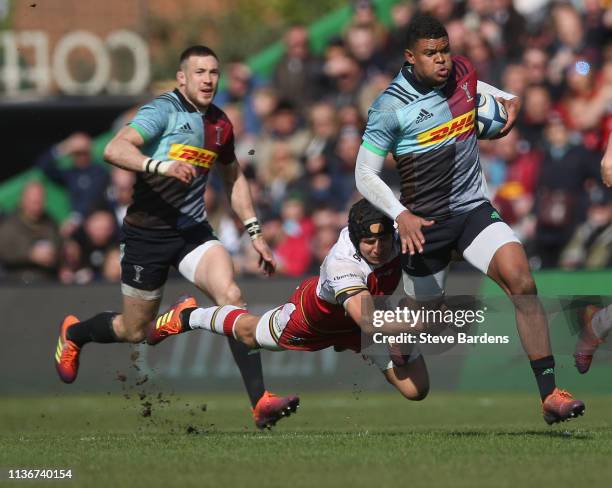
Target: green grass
[345,439]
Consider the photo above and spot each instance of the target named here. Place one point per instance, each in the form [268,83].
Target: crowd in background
[298,133]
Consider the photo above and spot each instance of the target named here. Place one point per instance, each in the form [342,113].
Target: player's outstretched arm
[239,195]
[124,151]
[360,307]
[606,164]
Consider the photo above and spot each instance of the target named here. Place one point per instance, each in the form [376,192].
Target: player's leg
[143,274]
[214,275]
[489,244]
[595,325]
[210,268]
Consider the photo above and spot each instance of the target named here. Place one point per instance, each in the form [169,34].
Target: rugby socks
[544,371]
[219,320]
[249,364]
[99,329]
[601,323]
[222,320]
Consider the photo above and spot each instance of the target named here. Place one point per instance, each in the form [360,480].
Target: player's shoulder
[396,96]
[462,65]
[216,115]
[168,101]
[343,256]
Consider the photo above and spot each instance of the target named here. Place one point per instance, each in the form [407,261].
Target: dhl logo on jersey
[192,155]
[452,128]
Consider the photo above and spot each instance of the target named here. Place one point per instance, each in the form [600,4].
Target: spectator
[119,193]
[323,126]
[284,126]
[85,181]
[362,44]
[297,76]
[346,80]
[591,244]
[95,240]
[239,91]
[29,240]
[561,196]
[280,171]
[536,109]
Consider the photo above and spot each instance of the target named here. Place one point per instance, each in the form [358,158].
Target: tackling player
[171,144]
[325,310]
[425,118]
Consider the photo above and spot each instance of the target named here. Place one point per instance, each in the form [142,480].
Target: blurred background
[298,78]
[297,83]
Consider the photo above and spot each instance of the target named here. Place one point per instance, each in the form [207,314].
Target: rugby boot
[587,342]
[67,352]
[560,406]
[169,322]
[271,408]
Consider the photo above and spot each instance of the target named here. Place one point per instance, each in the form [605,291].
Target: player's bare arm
[240,199]
[124,151]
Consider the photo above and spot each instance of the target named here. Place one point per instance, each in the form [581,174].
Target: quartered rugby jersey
[173,129]
[431,134]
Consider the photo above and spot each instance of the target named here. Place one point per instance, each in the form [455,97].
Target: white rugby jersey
[345,272]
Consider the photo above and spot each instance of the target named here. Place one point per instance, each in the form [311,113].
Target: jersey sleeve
[227,154]
[151,119]
[381,131]
[345,279]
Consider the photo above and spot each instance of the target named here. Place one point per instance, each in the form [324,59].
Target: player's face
[198,79]
[431,60]
[376,250]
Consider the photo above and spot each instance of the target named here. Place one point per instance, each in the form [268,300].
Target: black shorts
[454,233]
[147,254]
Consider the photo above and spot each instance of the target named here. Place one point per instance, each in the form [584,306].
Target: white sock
[601,322]
[213,319]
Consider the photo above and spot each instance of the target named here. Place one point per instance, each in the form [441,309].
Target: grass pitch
[343,439]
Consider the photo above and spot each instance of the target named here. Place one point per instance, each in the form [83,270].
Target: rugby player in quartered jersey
[425,119]
[173,129]
[172,143]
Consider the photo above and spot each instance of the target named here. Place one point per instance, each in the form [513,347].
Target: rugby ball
[491,116]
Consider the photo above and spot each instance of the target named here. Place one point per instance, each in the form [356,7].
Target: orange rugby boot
[67,352]
[560,406]
[169,322]
[271,408]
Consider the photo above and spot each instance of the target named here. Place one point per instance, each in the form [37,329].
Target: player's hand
[513,107]
[409,226]
[181,171]
[266,259]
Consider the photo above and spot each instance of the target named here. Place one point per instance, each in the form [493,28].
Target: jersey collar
[186,103]
[416,84]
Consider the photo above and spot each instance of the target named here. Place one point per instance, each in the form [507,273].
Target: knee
[231,295]
[522,284]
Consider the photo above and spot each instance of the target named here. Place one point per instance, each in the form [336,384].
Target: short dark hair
[424,26]
[198,50]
